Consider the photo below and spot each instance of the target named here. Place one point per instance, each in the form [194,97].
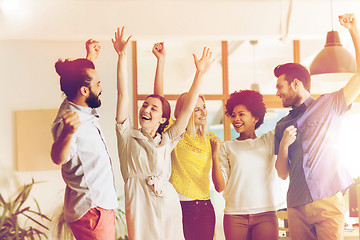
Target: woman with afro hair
[244,168]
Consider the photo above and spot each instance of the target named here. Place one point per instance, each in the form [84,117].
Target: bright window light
[10,5]
[349,147]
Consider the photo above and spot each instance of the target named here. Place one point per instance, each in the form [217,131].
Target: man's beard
[93,101]
[291,100]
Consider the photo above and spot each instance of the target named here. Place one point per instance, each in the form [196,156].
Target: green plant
[120,224]
[14,211]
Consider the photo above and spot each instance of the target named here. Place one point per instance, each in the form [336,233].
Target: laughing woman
[245,169]
[151,204]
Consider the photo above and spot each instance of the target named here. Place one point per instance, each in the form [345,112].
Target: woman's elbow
[219,189]
[283,176]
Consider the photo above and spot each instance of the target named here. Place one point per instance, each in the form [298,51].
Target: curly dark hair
[252,100]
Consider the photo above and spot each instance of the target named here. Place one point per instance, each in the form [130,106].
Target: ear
[84,91]
[256,120]
[297,83]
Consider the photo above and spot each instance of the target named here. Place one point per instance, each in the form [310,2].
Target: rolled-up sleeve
[122,133]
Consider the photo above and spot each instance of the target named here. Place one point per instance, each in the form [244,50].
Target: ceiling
[187,26]
[190,19]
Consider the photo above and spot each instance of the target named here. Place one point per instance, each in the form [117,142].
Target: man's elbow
[55,158]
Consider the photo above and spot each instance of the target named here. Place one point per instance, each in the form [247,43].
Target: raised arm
[160,54]
[60,150]
[217,176]
[123,102]
[92,49]
[282,161]
[202,66]
[352,88]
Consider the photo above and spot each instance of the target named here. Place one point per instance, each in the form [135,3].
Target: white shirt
[88,171]
[252,184]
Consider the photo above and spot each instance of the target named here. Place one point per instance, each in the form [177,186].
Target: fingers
[128,39]
[215,142]
[158,46]
[346,19]
[93,44]
[71,121]
[195,58]
[120,44]
[122,32]
[290,133]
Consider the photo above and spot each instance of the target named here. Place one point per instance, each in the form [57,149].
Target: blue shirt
[315,167]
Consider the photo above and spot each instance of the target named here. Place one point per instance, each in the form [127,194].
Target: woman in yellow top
[191,163]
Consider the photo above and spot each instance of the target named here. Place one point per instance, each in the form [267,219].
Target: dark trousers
[198,219]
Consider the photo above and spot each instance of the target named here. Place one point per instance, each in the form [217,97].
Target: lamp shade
[333,58]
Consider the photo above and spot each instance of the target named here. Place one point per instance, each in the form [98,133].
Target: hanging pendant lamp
[333,58]
[254,86]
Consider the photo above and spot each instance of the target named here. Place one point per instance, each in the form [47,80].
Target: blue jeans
[198,219]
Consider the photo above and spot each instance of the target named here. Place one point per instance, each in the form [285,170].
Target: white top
[252,184]
[152,205]
[88,171]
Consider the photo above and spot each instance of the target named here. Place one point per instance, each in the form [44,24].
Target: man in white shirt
[79,147]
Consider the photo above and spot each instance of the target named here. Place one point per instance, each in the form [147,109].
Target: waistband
[196,203]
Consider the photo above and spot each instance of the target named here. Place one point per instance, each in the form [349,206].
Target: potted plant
[14,211]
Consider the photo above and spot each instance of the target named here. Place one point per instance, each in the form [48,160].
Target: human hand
[71,122]
[348,20]
[204,63]
[159,50]
[120,44]
[215,143]
[92,49]
[289,136]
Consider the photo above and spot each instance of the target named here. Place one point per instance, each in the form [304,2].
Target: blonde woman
[191,162]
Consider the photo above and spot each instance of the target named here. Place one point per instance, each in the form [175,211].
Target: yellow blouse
[191,162]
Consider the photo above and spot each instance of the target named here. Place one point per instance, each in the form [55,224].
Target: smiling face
[150,115]
[200,113]
[243,121]
[93,99]
[286,92]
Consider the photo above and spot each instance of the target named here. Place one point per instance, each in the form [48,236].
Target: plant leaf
[34,220]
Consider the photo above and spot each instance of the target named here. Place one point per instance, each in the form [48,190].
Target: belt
[196,203]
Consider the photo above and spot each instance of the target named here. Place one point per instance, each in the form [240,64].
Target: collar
[86,110]
[156,140]
[297,110]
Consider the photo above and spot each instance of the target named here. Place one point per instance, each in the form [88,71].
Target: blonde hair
[190,129]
